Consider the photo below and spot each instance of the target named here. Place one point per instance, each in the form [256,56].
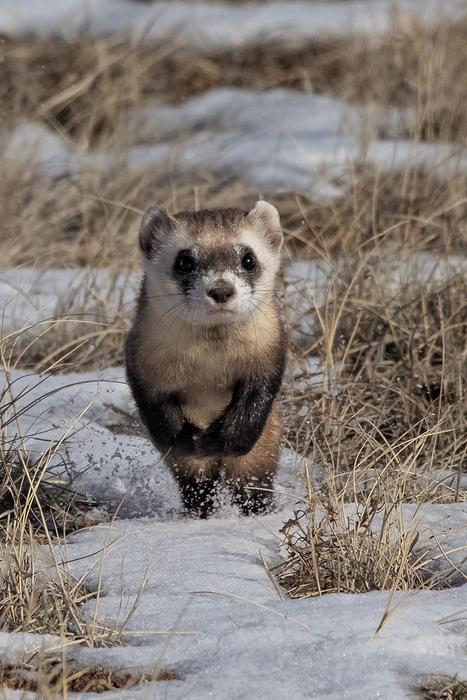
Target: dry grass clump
[55,677]
[412,335]
[80,88]
[411,209]
[83,87]
[30,491]
[331,551]
[86,220]
[37,594]
[422,69]
[444,688]
[391,418]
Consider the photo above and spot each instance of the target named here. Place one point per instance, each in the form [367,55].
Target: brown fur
[202,364]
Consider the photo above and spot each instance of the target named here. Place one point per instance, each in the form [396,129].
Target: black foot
[253,500]
[200,495]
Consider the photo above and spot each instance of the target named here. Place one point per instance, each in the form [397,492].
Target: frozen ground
[230,634]
[207,577]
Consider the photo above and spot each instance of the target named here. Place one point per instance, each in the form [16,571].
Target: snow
[273,140]
[215,26]
[30,296]
[117,470]
[207,578]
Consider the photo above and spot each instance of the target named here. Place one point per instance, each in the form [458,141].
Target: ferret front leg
[198,482]
[253,496]
[164,419]
[236,431]
[251,476]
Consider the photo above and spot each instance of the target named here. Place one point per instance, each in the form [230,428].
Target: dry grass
[329,551]
[84,87]
[82,90]
[407,210]
[387,425]
[55,678]
[444,688]
[37,510]
[86,331]
[36,593]
[93,221]
[390,419]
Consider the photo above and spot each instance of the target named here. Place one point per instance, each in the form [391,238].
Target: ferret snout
[221,291]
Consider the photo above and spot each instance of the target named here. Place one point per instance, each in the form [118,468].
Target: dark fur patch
[218,259]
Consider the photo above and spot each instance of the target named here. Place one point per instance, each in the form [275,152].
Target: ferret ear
[265,219]
[156,224]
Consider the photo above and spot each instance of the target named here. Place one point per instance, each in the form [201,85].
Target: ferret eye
[184,263]
[249,261]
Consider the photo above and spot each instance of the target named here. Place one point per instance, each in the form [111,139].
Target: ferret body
[205,356]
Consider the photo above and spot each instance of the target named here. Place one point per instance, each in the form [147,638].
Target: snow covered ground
[275,140]
[203,582]
[212,25]
[203,585]
[207,577]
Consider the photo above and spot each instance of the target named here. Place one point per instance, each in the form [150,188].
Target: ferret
[205,355]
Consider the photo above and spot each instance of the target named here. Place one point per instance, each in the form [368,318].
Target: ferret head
[211,267]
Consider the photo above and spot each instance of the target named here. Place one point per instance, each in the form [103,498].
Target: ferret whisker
[164,296]
[259,309]
[172,308]
[263,302]
[254,326]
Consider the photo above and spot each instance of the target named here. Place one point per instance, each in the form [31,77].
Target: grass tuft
[54,677]
[329,550]
[444,688]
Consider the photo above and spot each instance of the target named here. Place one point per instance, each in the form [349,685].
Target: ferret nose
[221,292]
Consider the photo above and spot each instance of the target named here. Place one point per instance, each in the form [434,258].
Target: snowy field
[208,578]
[200,597]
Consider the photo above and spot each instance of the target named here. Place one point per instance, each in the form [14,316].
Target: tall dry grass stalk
[390,419]
[37,593]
